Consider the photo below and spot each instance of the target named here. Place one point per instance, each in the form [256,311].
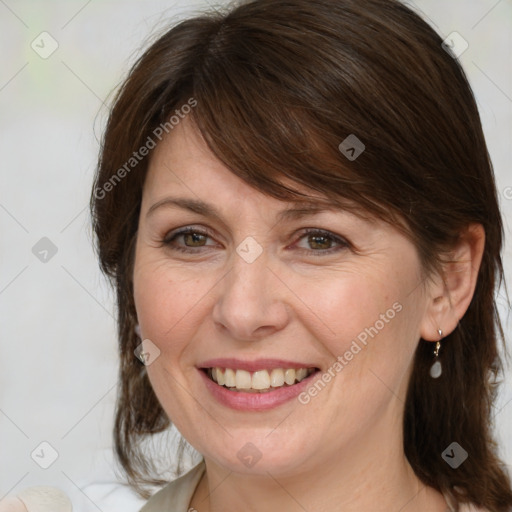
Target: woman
[295,203]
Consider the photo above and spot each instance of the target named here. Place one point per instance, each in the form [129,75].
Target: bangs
[270,126]
[272,141]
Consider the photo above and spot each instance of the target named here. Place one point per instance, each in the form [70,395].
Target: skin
[342,450]
[37,499]
[12,504]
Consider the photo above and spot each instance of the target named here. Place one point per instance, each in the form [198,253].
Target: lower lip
[255,401]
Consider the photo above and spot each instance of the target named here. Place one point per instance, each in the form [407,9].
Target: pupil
[321,242]
[194,238]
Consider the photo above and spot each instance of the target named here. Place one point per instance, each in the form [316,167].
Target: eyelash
[342,244]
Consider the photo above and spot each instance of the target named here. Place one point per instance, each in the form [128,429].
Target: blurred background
[61,60]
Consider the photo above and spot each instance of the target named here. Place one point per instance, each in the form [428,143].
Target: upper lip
[253,365]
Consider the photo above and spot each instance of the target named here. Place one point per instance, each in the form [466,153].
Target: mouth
[259,381]
[258,384]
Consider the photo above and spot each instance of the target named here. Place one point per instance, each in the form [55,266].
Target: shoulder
[472,508]
[176,496]
[467,507]
[462,507]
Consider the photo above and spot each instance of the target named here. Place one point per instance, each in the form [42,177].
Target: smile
[255,385]
[260,381]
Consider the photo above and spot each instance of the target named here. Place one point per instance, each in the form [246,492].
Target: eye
[321,242]
[191,238]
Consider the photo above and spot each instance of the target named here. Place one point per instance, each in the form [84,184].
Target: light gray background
[58,362]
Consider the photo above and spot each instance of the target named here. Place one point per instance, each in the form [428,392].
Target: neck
[368,477]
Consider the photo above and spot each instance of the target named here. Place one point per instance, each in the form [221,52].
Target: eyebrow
[299,210]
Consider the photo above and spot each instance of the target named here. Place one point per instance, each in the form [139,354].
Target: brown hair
[278,85]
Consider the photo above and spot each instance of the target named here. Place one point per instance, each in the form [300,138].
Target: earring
[137,330]
[436,369]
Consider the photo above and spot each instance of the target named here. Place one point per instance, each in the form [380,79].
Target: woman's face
[263,292]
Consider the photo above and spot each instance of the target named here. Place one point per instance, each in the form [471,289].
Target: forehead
[183,163]
[183,166]
[183,160]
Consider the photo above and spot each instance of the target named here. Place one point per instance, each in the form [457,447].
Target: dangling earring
[436,369]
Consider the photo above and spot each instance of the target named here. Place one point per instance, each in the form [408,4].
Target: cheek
[347,305]
[375,325]
[166,301]
[370,320]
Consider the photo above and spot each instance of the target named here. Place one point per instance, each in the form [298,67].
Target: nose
[250,303]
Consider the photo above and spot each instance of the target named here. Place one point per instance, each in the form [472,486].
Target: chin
[258,457]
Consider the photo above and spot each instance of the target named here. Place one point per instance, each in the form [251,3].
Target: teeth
[242,379]
[301,373]
[289,376]
[229,377]
[277,378]
[259,381]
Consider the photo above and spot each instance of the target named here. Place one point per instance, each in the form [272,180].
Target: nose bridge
[246,283]
[249,304]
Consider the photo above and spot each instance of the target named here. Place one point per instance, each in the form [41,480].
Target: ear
[449,294]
